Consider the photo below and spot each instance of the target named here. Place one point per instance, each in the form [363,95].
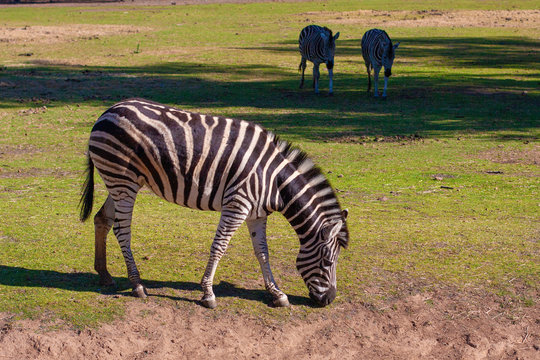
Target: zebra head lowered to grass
[318,45]
[212,163]
[378,51]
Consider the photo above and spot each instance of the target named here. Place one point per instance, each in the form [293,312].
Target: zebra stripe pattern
[318,45]
[213,163]
[378,52]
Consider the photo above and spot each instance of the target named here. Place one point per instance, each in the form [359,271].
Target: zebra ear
[396,46]
[336,36]
[345,213]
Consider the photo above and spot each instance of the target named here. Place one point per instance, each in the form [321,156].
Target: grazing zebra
[378,51]
[212,163]
[317,45]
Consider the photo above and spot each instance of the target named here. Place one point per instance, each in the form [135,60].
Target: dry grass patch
[502,155]
[431,18]
[66,33]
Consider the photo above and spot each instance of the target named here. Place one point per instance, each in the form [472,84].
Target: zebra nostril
[317,298]
[330,295]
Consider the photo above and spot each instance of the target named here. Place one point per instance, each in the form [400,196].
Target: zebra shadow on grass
[88,282]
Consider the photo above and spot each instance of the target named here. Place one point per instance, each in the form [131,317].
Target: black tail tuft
[87,198]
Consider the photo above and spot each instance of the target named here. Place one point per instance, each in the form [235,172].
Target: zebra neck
[308,202]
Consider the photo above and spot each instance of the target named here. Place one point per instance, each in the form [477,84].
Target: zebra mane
[300,160]
[391,49]
[390,45]
[330,35]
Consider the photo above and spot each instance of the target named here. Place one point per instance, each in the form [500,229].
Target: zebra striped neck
[308,201]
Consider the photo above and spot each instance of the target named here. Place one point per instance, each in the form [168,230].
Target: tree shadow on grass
[87,282]
[422,103]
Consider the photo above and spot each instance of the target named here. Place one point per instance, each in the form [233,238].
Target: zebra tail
[87,198]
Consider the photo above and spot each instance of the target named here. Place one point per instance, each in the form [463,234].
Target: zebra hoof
[140,292]
[331,94]
[281,302]
[106,280]
[210,303]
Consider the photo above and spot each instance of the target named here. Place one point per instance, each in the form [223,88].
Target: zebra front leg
[376,81]
[103,222]
[385,85]
[331,83]
[257,230]
[122,230]
[230,221]
[302,68]
[316,76]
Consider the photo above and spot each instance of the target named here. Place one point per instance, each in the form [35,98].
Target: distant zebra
[212,163]
[378,51]
[317,45]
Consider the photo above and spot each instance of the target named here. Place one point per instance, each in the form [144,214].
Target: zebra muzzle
[324,298]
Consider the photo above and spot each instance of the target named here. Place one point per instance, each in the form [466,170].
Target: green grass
[463,103]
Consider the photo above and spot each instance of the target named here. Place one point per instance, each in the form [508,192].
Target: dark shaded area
[493,52]
[425,103]
[84,281]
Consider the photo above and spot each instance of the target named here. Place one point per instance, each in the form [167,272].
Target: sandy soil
[441,325]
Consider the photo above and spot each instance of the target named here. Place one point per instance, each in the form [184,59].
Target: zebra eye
[326,262]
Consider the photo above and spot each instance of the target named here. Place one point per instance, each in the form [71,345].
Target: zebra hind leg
[369,78]
[257,231]
[103,222]
[302,68]
[229,222]
[316,76]
[122,230]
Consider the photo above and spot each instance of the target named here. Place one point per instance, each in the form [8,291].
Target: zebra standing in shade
[212,163]
[378,51]
[318,46]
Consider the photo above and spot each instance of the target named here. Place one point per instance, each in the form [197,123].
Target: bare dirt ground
[441,325]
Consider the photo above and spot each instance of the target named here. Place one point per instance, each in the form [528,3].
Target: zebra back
[187,158]
[317,44]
